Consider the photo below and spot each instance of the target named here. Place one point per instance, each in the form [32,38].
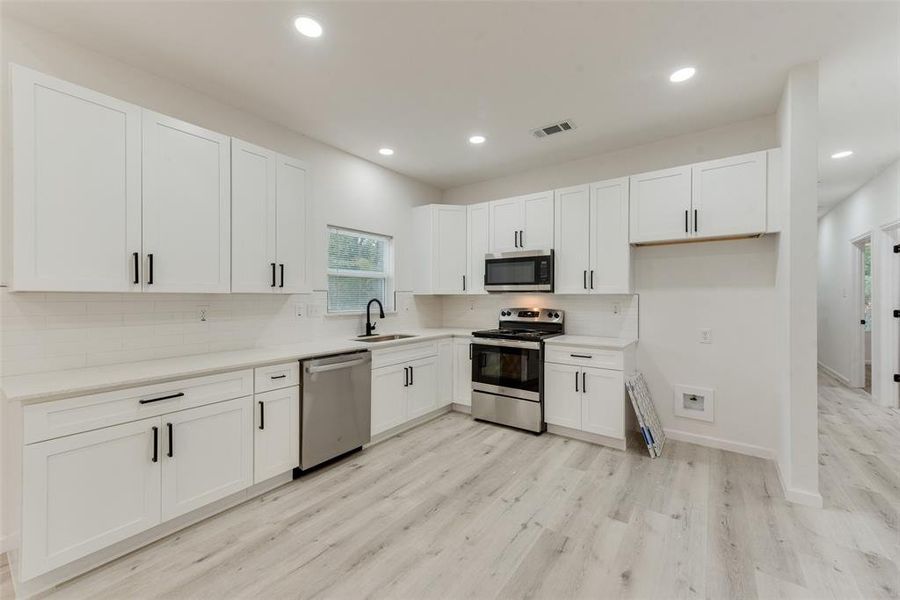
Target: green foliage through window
[358,270]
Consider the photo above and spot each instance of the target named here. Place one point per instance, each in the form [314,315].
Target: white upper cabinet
[478,232]
[76,187]
[592,251]
[269,213]
[728,196]
[186,207]
[610,271]
[253,262]
[439,239]
[573,240]
[661,205]
[522,223]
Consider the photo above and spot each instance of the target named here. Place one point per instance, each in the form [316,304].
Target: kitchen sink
[384,338]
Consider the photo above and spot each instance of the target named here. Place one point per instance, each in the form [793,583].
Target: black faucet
[370,327]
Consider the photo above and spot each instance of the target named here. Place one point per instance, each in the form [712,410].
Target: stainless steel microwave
[522,271]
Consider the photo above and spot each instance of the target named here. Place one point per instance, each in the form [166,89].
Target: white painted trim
[720,444]
[833,373]
[461,408]
[585,436]
[796,496]
[385,435]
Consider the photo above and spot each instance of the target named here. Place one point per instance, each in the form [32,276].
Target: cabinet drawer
[276,377]
[49,420]
[402,354]
[585,357]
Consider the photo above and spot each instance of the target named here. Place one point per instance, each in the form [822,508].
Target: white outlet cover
[693,402]
[706,336]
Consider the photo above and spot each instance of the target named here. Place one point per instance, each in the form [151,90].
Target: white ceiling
[422,76]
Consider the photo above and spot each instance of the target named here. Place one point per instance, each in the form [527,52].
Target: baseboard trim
[585,436]
[802,497]
[833,373]
[720,444]
[388,434]
[461,408]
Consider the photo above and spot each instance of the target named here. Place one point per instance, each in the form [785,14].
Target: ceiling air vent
[540,132]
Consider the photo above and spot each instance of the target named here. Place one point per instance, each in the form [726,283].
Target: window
[359,269]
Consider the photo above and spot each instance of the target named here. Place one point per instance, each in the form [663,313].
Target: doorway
[861,368]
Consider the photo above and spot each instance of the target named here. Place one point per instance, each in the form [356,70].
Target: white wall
[795,316]
[726,286]
[866,211]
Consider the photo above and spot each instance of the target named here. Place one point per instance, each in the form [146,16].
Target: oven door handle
[506,343]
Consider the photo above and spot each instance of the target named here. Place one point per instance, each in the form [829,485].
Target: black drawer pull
[150,274]
[273,274]
[405,376]
[411,372]
[576,381]
[149,400]
[155,444]
[282,376]
[581,356]
[136,267]
[592,279]
[262,415]
[695,220]
[583,382]
[281,267]
[171,452]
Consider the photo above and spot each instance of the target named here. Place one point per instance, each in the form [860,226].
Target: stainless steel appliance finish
[335,410]
[508,367]
[521,271]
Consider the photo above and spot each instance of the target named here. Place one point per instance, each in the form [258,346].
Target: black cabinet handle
[411,376]
[521,238]
[405,376]
[470,351]
[150,274]
[516,238]
[584,279]
[686,221]
[262,415]
[137,267]
[464,283]
[282,376]
[281,268]
[592,279]
[581,356]
[273,274]
[576,381]
[149,400]
[695,220]
[155,444]
[862,321]
[583,382]
[171,451]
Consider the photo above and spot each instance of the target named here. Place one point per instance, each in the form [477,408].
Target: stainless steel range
[508,367]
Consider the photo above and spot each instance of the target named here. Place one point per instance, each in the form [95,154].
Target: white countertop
[589,341]
[41,387]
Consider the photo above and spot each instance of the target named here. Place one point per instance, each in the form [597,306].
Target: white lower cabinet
[276,439]
[445,372]
[562,405]
[388,397]
[208,455]
[422,391]
[404,384]
[462,372]
[84,492]
[602,408]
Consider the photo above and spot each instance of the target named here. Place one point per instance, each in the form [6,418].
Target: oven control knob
[555,315]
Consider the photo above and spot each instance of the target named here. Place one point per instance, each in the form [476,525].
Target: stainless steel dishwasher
[335,410]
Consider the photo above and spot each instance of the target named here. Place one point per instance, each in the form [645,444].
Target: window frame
[387,275]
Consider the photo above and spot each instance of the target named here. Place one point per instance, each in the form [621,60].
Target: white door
[603,402]
[449,223]
[207,454]
[186,207]
[423,387]
[610,251]
[462,373]
[537,231]
[478,233]
[729,196]
[506,221]
[86,491]
[445,372]
[253,261]
[76,158]
[292,225]
[660,205]
[562,395]
[389,390]
[276,437]
[573,240]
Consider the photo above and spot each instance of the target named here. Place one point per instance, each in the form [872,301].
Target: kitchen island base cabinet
[276,437]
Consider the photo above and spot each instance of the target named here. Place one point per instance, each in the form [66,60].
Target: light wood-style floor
[460,509]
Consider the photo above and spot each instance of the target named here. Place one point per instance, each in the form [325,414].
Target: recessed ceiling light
[386,151]
[682,74]
[308,26]
[477,139]
[842,154]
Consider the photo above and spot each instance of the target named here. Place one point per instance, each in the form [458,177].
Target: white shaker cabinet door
[506,221]
[610,251]
[661,205]
[186,207]
[729,196]
[573,240]
[292,225]
[253,264]
[562,395]
[76,163]
[207,454]
[86,491]
[449,226]
[389,385]
[537,231]
[445,377]
[603,402]
[276,437]
[462,372]
[422,393]
[478,233]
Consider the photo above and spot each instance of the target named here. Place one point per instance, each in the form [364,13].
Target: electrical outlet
[706,336]
[299,310]
[203,311]
[616,308]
